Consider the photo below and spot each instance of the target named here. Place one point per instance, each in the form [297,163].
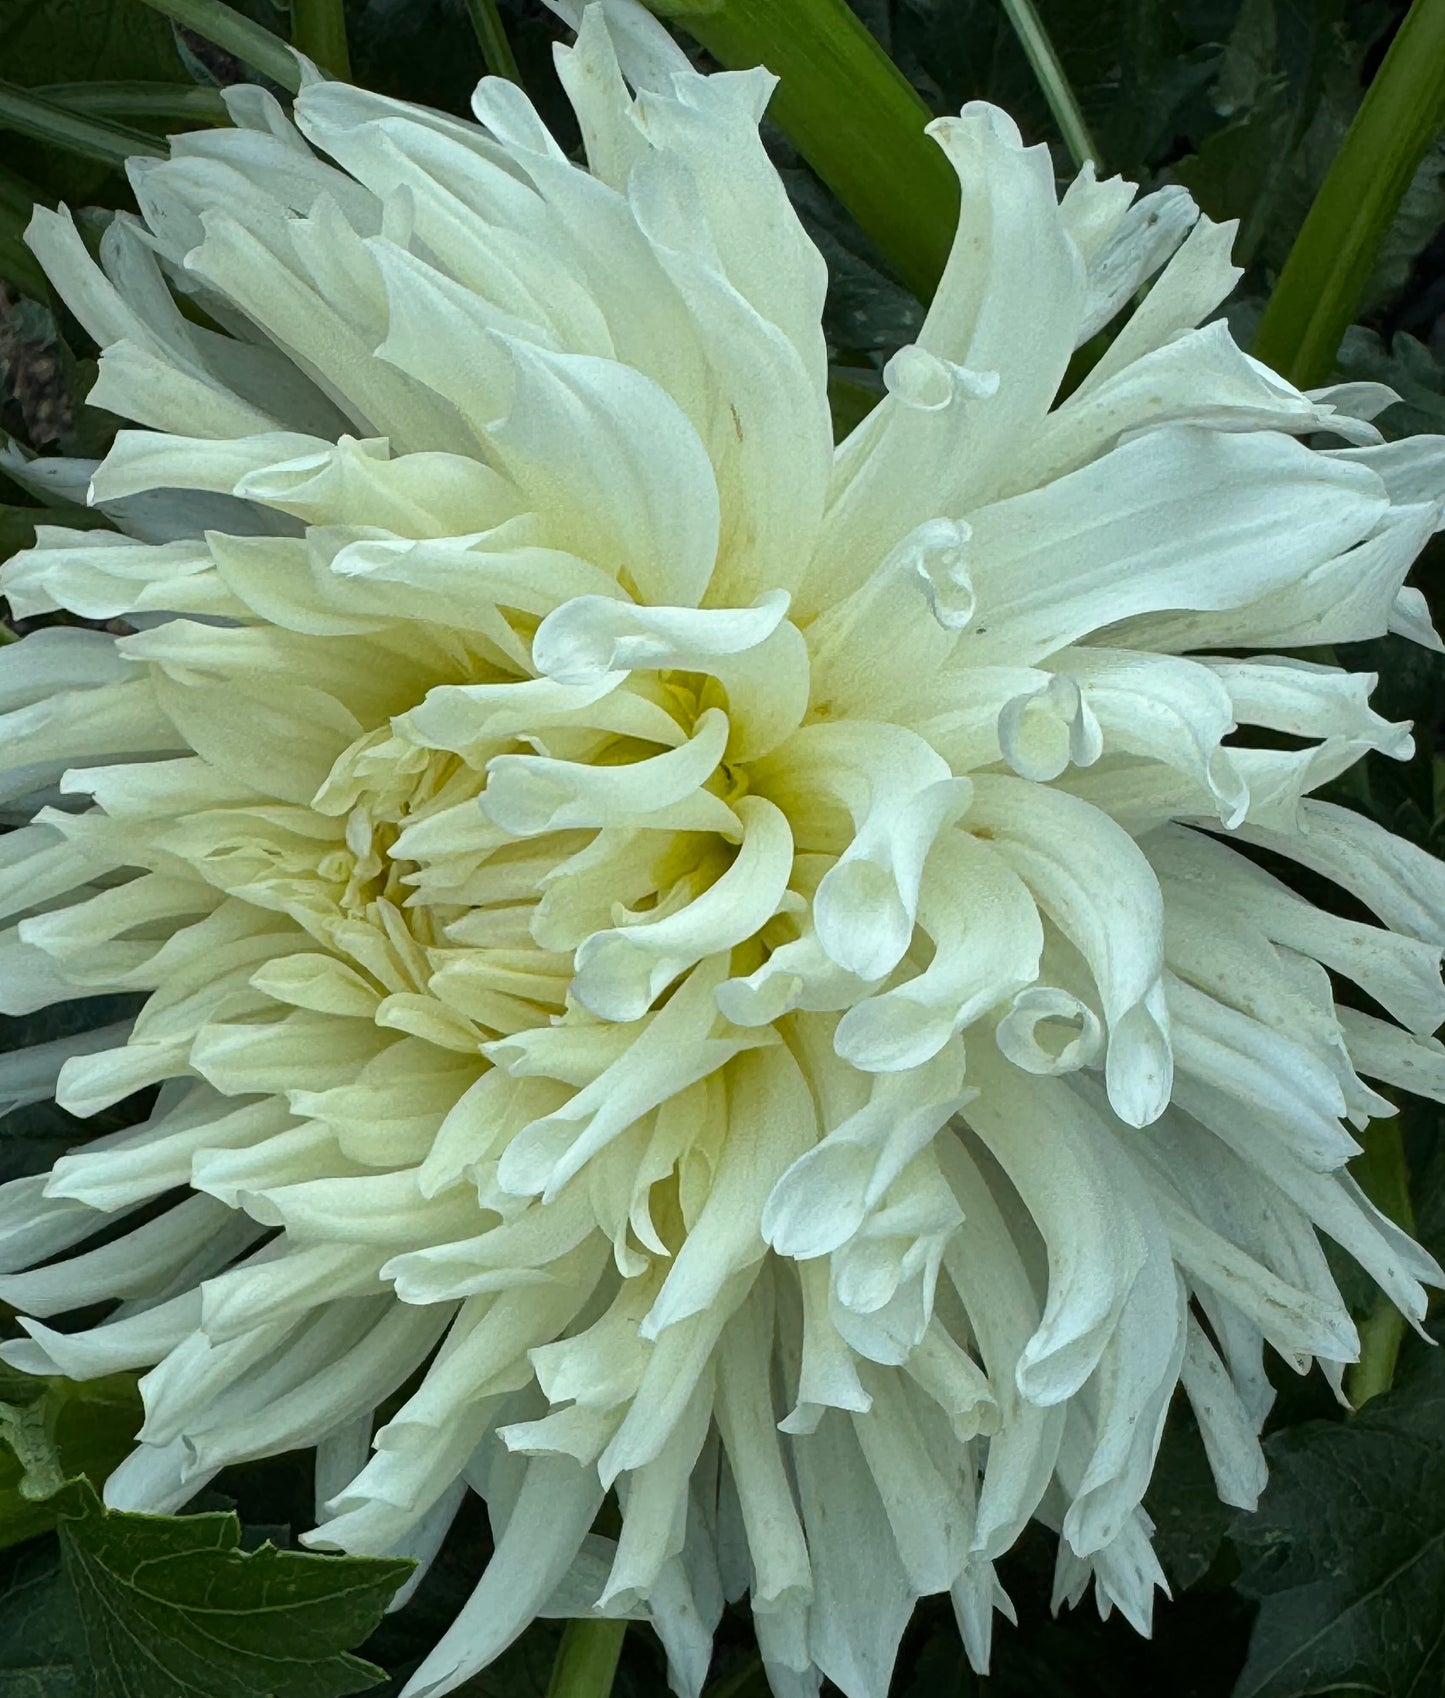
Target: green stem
[497,53]
[139,100]
[236,34]
[587,1658]
[1382,1175]
[1382,1332]
[1034,39]
[318,29]
[850,112]
[30,115]
[1330,263]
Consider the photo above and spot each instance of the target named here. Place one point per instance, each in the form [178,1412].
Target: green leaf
[1421,214]
[1136,66]
[1289,84]
[866,311]
[1347,1550]
[172,1607]
[40,1642]
[18,266]
[1429,1188]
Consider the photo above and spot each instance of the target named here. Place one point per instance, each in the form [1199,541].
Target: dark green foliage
[172,1608]
[38,1628]
[1347,1551]
[1410,369]
[155,1606]
[60,41]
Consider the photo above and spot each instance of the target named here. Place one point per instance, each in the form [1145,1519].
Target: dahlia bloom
[683,959]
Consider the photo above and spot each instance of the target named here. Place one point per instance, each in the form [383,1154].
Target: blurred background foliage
[1338,1582]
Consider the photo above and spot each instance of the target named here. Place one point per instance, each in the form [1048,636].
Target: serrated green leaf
[1347,1550]
[173,1608]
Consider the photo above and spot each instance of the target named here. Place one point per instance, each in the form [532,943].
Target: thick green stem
[1319,289]
[1034,39]
[139,100]
[850,112]
[235,34]
[587,1658]
[497,53]
[46,121]
[1384,1178]
[318,29]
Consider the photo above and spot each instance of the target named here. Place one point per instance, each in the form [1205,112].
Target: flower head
[692,960]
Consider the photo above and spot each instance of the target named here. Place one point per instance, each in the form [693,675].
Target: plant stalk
[1384,1178]
[318,29]
[1063,103]
[235,34]
[139,100]
[587,1658]
[45,120]
[497,53]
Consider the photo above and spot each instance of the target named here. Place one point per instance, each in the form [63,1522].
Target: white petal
[1060,1161]
[635,493]
[1093,882]
[987,940]
[554,1511]
[1191,286]
[1101,544]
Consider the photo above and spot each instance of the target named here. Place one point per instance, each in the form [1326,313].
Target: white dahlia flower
[698,963]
